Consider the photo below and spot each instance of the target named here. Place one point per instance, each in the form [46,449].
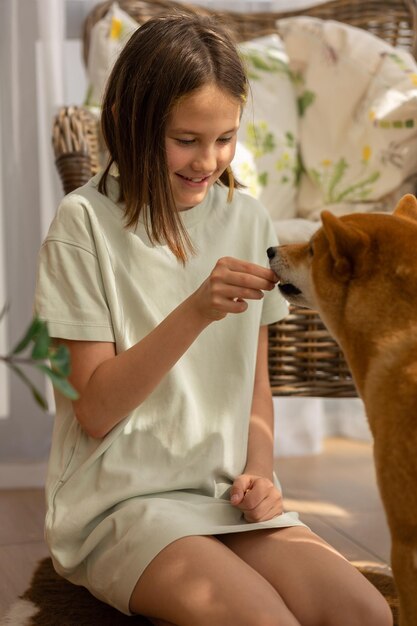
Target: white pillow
[358,128]
[107,38]
[269,126]
[295,230]
[244,169]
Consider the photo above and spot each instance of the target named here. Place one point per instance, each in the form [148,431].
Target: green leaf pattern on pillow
[258,62]
[269,125]
[261,141]
[357,110]
[330,177]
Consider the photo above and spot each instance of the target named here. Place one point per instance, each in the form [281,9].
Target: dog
[359,272]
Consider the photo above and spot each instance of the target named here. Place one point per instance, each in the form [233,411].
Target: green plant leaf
[42,350]
[42,342]
[36,394]
[59,382]
[4,310]
[60,360]
[30,334]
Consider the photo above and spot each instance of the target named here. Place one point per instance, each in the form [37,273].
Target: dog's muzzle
[287,289]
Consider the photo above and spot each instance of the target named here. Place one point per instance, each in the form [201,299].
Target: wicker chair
[303,359]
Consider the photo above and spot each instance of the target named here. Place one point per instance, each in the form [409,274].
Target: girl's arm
[111,386]
[254,491]
[261,428]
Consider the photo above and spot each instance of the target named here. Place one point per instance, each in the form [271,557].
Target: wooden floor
[334,492]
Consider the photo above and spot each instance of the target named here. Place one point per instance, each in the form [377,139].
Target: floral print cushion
[358,116]
[245,170]
[108,36]
[269,128]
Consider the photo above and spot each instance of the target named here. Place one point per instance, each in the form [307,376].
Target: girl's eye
[189,142]
[185,142]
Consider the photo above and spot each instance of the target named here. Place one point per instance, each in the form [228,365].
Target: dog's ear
[346,243]
[407,207]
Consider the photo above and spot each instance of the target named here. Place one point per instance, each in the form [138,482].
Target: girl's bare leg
[317,584]
[198,581]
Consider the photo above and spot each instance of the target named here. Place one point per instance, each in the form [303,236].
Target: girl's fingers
[266,511]
[251,281]
[242,273]
[231,283]
[256,497]
[232,292]
[263,501]
[238,265]
[238,285]
[239,488]
[267,508]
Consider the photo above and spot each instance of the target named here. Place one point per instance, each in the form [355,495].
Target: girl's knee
[263,613]
[266,618]
[362,607]
[373,611]
[379,614]
[264,607]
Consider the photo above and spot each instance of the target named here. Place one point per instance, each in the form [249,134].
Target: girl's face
[200,142]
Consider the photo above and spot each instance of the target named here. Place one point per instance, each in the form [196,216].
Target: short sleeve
[70,294]
[274,306]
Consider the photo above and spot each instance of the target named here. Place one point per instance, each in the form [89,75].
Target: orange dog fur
[360,273]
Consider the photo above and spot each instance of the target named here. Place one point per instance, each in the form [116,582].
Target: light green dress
[165,471]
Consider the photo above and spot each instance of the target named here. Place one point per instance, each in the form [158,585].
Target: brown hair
[167,58]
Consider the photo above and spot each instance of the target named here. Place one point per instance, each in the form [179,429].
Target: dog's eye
[310,249]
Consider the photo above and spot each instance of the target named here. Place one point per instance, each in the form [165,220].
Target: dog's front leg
[404,566]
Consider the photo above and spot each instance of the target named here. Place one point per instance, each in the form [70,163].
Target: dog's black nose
[271,253]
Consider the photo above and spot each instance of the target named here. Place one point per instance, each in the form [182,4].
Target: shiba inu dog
[360,273]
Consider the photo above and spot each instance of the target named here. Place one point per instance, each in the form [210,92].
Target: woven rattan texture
[392,20]
[303,359]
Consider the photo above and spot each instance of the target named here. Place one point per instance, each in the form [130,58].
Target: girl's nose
[205,160]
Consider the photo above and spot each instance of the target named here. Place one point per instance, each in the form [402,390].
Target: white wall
[25,434]
[4,381]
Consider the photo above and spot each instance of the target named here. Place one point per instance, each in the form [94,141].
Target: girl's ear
[347,244]
[113,110]
[407,208]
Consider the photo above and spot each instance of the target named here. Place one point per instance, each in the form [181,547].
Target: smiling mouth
[194,180]
[288,289]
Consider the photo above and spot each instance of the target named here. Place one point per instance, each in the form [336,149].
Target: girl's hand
[257,498]
[229,285]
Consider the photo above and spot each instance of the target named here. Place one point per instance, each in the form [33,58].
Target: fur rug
[53,601]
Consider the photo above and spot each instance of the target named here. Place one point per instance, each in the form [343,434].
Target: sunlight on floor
[317,507]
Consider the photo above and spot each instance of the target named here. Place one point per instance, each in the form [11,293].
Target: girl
[161,494]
